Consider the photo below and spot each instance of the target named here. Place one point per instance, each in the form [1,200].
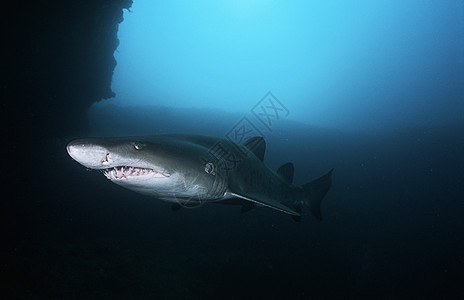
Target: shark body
[188,170]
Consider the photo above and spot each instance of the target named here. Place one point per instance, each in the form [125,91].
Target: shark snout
[89,155]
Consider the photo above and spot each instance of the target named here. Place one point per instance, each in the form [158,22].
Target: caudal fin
[315,191]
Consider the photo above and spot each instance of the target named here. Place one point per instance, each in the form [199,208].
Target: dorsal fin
[257,145]
[286,172]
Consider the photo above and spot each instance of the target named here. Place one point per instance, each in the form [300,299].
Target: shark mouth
[124,172]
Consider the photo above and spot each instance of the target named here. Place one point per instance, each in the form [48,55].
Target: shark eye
[209,168]
[138,146]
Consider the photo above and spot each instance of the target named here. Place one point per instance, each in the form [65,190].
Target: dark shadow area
[392,221]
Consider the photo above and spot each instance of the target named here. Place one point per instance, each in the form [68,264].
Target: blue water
[354,65]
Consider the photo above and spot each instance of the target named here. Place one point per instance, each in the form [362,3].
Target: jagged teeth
[124,172]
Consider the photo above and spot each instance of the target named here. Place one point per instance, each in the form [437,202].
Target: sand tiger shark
[189,170]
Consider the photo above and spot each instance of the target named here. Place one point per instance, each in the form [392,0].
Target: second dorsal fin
[286,172]
[257,145]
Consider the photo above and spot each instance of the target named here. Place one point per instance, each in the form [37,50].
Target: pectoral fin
[265,201]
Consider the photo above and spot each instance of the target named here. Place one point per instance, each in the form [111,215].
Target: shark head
[168,168]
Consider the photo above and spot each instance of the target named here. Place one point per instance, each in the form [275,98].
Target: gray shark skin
[189,170]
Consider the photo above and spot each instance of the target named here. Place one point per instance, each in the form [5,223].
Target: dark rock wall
[59,57]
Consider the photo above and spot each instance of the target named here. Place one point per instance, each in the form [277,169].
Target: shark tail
[314,192]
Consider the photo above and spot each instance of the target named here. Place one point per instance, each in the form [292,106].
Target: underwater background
[373,90]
